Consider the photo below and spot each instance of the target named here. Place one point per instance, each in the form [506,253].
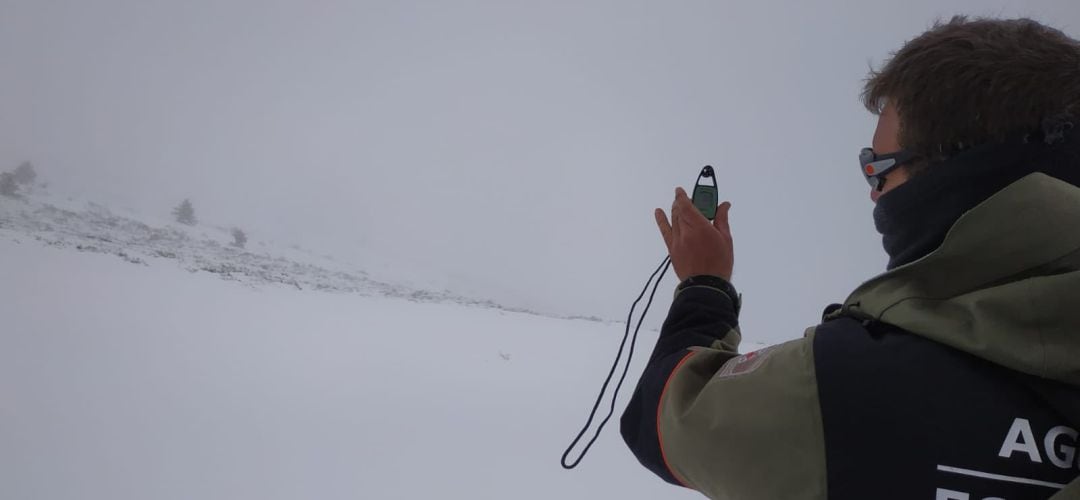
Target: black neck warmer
[914,217]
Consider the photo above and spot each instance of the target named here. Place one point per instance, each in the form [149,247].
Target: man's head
[965,83]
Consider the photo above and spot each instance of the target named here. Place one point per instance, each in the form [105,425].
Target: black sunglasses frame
[874,166]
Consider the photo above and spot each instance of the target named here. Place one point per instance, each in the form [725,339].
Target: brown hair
[969,82]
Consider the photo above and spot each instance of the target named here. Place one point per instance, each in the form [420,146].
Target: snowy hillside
[90,227]
[133,378]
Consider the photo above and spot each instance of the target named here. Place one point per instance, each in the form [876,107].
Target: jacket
[954,376]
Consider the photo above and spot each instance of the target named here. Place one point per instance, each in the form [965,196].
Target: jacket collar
[1002,285]
[914,218]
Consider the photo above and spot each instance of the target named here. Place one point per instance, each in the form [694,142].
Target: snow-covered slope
[133,381]
[137,239]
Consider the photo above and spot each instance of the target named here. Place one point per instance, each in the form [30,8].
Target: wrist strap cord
[629,356]
[704,199]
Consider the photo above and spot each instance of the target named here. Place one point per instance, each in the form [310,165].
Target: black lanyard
[705,198]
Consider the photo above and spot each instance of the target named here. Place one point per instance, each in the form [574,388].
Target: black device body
[705,196]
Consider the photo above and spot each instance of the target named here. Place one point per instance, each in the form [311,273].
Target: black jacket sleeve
[700,316]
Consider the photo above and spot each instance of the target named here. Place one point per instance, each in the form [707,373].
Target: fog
[512,150]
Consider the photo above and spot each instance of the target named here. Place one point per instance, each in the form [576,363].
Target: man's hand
[697,246]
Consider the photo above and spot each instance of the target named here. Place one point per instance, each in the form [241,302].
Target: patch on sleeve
[741,365]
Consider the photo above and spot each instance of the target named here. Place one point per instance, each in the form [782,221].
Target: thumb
[721,220]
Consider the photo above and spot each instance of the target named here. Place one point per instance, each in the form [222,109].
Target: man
[953,376]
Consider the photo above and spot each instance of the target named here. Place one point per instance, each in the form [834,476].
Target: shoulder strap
[837,311]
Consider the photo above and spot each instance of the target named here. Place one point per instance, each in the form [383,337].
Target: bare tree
[239,238]
[25,175]
[185,213]
[8,186]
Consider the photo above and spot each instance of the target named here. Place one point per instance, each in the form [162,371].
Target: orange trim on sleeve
[659,406]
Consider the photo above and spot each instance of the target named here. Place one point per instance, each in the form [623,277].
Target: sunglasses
[874,166]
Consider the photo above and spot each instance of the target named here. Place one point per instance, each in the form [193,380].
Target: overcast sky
[507,148]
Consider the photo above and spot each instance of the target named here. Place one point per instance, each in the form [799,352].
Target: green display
[705,198]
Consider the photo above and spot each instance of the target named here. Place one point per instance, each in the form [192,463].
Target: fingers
[685,216]
[665,228]
[688,213]
[675,210]
[721,220]
[676,220]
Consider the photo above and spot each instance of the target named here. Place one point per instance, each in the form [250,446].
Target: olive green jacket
[1004,287]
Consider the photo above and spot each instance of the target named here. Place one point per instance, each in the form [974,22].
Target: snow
[67,222]
[155,380]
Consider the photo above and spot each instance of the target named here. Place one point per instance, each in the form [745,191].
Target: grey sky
[513,149]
